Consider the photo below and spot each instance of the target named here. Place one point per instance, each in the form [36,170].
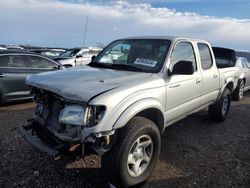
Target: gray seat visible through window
[17,61]
[4,61]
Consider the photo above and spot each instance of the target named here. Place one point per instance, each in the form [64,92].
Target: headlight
[87,116]
[73,115]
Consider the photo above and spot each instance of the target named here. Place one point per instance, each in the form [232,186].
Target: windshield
[70,52]
[147,55]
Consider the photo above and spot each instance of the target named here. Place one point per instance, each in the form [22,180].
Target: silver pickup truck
[119,105]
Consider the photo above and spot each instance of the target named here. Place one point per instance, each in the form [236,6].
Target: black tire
[238,93]
[115,162]
[218,112]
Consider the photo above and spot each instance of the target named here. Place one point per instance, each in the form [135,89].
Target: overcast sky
[61,23]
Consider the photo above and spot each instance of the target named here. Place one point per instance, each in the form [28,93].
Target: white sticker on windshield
[145,62]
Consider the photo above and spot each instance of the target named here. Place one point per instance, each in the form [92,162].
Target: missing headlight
[94,115]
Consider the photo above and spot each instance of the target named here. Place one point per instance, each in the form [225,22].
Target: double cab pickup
[121,102]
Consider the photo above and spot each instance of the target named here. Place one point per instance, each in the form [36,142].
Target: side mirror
[182,68]
[93,58]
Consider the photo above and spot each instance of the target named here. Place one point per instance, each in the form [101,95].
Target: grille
[51,111]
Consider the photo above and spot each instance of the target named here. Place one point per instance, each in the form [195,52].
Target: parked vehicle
[244,54]
[3,48]
[244,82]
[51,53]
[77,56]
[15,66]
[227,58]
[12,47]
[119,107]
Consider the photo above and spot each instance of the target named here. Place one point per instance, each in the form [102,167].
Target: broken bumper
[36,142]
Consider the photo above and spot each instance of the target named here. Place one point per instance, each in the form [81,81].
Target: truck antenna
[85,31]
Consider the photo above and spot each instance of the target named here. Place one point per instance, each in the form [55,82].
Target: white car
[244,82]
[2,48]
[78,56]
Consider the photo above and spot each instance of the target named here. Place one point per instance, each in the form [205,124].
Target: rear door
[210,74]
[13,73]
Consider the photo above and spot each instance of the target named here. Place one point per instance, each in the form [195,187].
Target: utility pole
[85,31]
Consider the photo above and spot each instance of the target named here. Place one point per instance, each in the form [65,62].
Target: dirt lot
[195,153]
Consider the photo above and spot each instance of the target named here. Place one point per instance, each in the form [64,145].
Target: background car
[15,66]
[3,48]
[49,52]
[244,54]
[77,56]
[244,84]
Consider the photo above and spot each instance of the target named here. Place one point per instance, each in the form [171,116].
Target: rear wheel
[239,91]
[218,112]
[132,159]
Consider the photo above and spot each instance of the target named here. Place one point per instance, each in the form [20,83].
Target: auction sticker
[145,62]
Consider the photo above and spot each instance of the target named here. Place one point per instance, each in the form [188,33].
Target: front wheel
[218,112]
[133,158]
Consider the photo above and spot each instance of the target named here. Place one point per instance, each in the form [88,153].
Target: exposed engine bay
[63,124]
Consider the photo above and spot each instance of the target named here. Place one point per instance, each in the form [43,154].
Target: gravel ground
[195,153]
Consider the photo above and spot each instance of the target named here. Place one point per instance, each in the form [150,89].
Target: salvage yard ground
[195,153]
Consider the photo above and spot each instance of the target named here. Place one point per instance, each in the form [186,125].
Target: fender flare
[227,82]
[241,77]
[135,108]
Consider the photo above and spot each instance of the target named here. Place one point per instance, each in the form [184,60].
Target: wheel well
[230,86]
[154,115]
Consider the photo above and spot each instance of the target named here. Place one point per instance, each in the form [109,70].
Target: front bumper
[44,140]
[36,142]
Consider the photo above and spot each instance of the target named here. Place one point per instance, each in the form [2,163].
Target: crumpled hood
[83,83]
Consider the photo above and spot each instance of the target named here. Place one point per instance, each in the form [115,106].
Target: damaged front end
[61,125]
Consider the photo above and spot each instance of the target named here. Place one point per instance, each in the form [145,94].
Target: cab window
[184,51]
[205,56]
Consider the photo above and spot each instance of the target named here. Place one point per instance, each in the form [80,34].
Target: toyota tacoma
[121,102]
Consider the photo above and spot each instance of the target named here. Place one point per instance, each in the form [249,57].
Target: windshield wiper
[127,67]
[97,64]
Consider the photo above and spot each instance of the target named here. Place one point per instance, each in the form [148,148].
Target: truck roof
[172,38]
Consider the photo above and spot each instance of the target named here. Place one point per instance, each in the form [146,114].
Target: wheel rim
[140,155]
[225,106]
[241,90]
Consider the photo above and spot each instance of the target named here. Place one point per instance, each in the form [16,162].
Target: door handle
[174,86]
[2,75]
[198,81]
[215,75]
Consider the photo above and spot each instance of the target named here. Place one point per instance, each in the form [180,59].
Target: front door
[13,73]
[183,91]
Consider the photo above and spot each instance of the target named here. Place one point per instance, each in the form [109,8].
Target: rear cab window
[205,56]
